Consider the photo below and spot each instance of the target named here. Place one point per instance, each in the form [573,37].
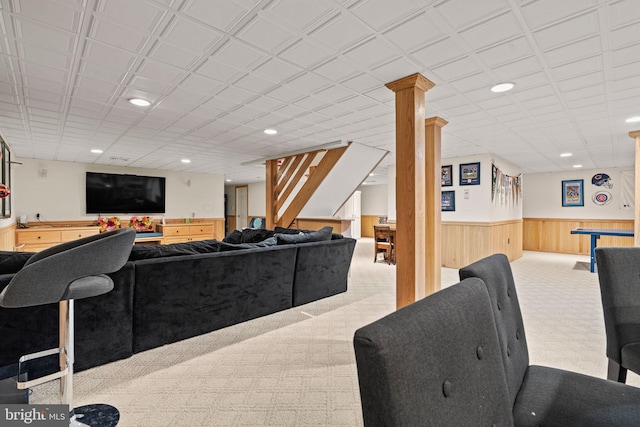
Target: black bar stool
[61,274]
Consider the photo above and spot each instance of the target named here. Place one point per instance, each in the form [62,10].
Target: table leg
[594,243]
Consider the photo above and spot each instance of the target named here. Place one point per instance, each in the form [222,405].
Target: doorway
[242,202]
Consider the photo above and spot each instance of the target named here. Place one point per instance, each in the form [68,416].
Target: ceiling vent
[119,158]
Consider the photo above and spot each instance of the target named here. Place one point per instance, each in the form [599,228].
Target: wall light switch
[466,194]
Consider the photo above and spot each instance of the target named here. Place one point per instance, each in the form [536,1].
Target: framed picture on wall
[470,173]
[447,176]
[573,192]
[448,202]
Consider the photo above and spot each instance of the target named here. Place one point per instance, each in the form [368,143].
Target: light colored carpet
[297,367]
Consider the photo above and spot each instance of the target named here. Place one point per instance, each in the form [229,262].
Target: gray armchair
[619,276]
[459,358]
[61,274]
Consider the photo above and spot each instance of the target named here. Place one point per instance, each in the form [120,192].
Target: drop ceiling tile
[494,30]
[381,13]
[456,69]
[305,54]
[173,55]
[160,71]
[337,69]
[277,70]
[221,14]
[510,51]
[201,84]
[46,57]
[438,53]
[623,12]
[300,15]
[44,36]
[577,68]
[35,71]
[266,35]
[285,94]
[117,35]
[334,93]
[239,55]
[219,71]
[371,53]
[253,83]
[584,48]
[148,86]
[537,13]
[309,82]
[567,31]
[110,57]
[476,81]
[362,83]
[143,15]
[510,72]
[459,13]
[628,35]
[625,55]
[403,35]
[589,80]
[266,104]
[341,31]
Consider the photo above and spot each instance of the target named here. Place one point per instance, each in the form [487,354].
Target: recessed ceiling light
[633,119]
[139,102]
[371,174]
[270,131]
[577,166]
[185,161]
[566,155]
[96,151]
[502,87]
[228,180]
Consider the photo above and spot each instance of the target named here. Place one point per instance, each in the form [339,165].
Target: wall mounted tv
[108,193]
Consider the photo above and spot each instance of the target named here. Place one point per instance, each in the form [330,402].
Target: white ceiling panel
[219,73]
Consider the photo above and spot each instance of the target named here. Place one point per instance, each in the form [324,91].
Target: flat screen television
[108,193]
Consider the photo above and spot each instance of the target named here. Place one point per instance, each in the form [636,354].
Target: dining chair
[619,277]
[383,242]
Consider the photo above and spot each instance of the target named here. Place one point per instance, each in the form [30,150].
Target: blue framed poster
[573,192]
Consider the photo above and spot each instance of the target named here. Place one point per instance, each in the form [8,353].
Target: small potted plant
[108,224]
[142,224]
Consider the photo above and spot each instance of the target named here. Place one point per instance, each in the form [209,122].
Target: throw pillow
[12,262]
[312,236]
[234,237]
[254,235]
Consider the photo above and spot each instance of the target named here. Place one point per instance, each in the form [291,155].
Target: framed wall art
[470,173]
[573,192]
[448,202]
[447,176]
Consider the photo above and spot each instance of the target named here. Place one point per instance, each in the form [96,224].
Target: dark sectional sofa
[167,293]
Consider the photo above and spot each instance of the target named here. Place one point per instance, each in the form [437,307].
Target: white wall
[374,200]
[60,195]
[473,202]
[257,199]
[543,196]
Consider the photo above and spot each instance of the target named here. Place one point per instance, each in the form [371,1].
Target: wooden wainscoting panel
[8,237]
[218,228]
[231,222]
[467,242]
[366,224]
[554,234]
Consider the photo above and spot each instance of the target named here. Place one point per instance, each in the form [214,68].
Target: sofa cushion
[12,262]
[139,252]
[312,236]
[254,235]
[271,241]
[234,237]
